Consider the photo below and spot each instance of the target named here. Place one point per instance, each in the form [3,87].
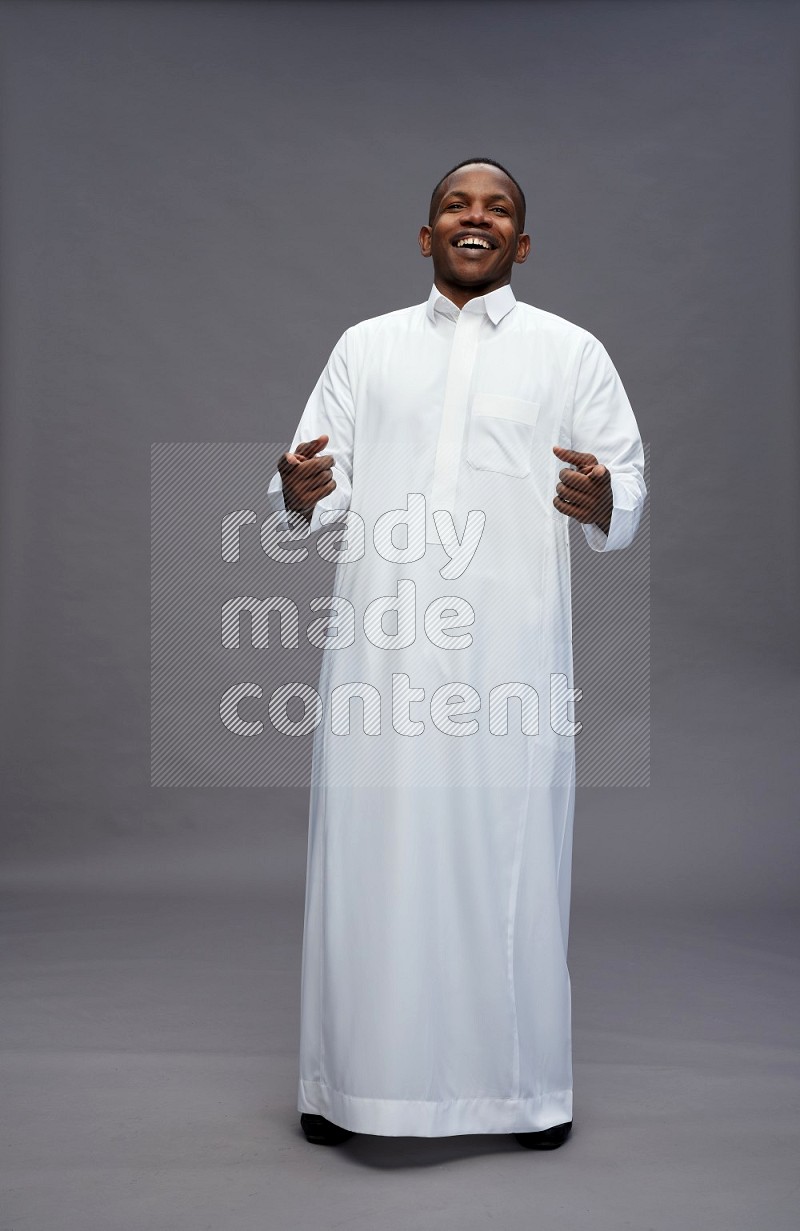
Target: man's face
[476,233]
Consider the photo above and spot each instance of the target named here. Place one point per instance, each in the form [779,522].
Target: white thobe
[435,988]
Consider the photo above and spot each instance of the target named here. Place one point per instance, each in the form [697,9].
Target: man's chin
[470,275]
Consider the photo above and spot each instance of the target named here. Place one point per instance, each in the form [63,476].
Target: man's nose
[477,216]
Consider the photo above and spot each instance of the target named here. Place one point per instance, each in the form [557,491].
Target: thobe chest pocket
[501,434]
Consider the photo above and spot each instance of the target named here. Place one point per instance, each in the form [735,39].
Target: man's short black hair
[468,162]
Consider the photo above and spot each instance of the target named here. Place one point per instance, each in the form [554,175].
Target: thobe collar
[495,305]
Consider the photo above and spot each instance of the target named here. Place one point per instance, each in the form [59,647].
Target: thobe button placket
[454,417]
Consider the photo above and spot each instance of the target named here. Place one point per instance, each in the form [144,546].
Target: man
[464,433]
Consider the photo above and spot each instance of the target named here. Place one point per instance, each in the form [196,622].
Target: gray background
[197,200]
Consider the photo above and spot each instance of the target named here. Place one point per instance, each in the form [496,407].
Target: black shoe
[547,1139]
[320,1132]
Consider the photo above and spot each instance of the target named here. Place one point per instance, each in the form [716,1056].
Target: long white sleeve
[603,423]
[330,411]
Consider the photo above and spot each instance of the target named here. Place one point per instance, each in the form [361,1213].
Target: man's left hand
[585,492]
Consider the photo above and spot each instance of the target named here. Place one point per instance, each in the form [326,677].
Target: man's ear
[523,248]
[425,240]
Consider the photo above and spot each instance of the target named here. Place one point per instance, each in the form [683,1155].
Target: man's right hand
[306,477]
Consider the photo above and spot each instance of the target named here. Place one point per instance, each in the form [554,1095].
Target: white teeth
[472,241]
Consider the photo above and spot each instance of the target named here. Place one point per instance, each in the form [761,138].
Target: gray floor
[149,1064]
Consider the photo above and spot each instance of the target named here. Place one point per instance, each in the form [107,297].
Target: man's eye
[499,209]
[454,205]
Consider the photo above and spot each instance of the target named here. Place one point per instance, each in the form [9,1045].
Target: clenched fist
[306,477]
[585,492]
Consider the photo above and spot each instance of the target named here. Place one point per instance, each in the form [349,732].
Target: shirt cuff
[622,526]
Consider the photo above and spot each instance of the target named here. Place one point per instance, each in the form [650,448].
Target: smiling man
[473,255]
[471,428]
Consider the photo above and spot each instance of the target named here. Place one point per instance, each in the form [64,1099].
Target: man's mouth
[475,243]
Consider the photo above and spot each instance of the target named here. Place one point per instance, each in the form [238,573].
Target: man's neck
[460,295]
